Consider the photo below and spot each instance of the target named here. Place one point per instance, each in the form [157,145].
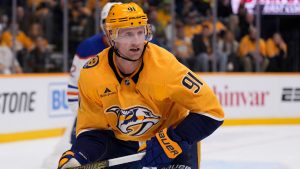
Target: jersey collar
[134,76]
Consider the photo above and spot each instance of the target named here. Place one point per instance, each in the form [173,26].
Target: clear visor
[131,34]
[141,33]
[136,34]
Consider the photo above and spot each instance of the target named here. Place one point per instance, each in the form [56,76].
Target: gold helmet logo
[131,9]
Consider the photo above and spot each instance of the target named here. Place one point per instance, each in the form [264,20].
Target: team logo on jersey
[134,121]
[92,62]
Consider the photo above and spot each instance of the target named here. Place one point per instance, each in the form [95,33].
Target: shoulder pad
[92,62]
[90,47]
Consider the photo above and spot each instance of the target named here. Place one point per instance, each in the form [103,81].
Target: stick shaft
[112,162]
[126,159]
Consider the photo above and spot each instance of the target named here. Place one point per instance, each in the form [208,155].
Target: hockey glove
[71,159]
[163,149]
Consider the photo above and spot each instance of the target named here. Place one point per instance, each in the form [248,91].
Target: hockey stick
[112,162]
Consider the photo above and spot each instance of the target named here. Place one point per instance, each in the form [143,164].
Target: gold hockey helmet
[126,16]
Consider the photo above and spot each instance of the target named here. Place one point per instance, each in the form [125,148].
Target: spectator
[163,13]
[192,25]
[8,64]
[210,24]
[159,31]
[3,22]
[203,6]
[38,59]
[276,53]
[22,40]
[227,52]
[35,30]
[44,16]
[23,43]
[22,18]
[187,7]
[224,10]
[79,25]
[202,46]
[233,26]
[248,54]
[184,51]
[55,8]
[246,21]
[34,3]
[92,4]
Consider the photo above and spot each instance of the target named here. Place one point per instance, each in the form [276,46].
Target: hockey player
[135,92]
[86,50]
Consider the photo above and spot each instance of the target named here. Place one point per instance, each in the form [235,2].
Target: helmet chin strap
[127,58]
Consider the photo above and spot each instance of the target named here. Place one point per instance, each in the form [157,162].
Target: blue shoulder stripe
[91,46]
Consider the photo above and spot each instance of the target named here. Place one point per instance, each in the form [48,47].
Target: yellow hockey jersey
[159,94]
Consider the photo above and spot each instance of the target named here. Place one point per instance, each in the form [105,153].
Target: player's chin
[135,55]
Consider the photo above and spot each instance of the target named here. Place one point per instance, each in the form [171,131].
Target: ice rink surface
[239,147]
[255,147]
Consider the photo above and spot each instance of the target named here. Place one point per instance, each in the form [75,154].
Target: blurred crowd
[39,35]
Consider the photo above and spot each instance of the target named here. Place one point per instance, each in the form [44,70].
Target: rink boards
[35,106]
[257,98]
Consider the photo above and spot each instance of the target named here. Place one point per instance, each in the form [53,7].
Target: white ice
[240,147]
[255,147]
